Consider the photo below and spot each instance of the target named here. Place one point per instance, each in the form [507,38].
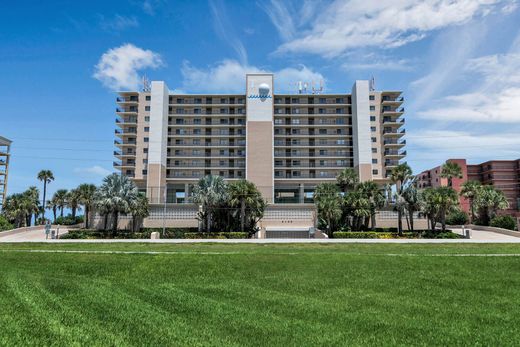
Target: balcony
[394,142]
[394,132]
[394,153]
[125,132]
[126,110]
[393,121]
[399,110]
[127,99]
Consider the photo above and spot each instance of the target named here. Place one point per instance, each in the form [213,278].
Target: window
[322,101]
[147,118]
[374,139]
[146,139]
[196,111]
[373,129]
[321,111]
[372,108]
[374,161]
[372,97]
[374,150]
[146,129]
[148,98]
[147,108]
[372,118]
[145,172]
[375,172]
[145,150]
[145,161]
[197,121]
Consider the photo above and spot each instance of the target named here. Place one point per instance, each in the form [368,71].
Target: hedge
[504,222]
[387,235]
[69,220]
[223,235]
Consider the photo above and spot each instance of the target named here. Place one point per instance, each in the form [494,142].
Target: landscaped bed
[259,295]
[170,233]
[390,234]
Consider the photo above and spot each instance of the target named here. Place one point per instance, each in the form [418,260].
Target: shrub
[457,218]
[69,220]
[388,235]
[504,222]
[170,233]
[4,224]
[223,235]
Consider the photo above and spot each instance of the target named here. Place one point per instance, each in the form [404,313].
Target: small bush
[457,218]
[4,224]
[504,222]
[69,220]
[223,235]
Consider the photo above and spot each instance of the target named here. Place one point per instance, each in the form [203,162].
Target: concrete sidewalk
[34,235]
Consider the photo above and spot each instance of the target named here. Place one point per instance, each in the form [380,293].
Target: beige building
[5,146]
[285,143]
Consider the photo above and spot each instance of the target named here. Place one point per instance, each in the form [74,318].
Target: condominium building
[284,143]
[5,146]
[504,175]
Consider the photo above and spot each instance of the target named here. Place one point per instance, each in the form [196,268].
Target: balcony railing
[127,99]
[131,109]
[398,153]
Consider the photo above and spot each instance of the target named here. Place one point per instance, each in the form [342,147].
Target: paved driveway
[488,235]
[32,235]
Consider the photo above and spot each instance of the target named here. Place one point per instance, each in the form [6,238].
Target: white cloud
[95,170]
[225,31]
[118,68]
[228,76]
[496,99]
[345,25]
[150,6]
[118,23]
[380,64]
[429,146]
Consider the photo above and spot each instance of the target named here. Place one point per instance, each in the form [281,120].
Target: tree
[400,175]
[328,203]
[17,207]
[33,195]
[375,196]
[448,201]
[357,207]
[60,199]
[469,191]
[489,200]
[139,209]
[247,198]
[411,199]
[347,179]
[45,176]
[87,198]
[52,205]
[73,201]
[451,170]
[116,195]
[210,192]
[429,206]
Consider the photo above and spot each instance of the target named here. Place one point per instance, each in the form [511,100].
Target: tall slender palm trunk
[43,202]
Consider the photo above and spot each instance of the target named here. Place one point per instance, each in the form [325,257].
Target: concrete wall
[361,130]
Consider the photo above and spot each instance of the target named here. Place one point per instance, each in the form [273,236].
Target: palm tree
[117,193]
[469,190]
[33,195]
[451,170]
[376,197]
[490,200]
[73,201]
[60,199]
[328,203]
[139,209]
[347,179]
[210,192]
[46,176]
[400,175]
[412,202]
[52,205]
[447,201]
[429,206]
[244,195]
[87,195]
[17,207]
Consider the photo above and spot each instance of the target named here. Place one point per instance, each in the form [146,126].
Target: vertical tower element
[361,130]
[259,133]
[156,183]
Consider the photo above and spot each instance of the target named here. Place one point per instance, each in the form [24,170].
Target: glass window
[148,98]
[147,108]
[372,108]
[372,97]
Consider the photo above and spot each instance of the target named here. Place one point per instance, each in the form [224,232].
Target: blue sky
[457,62]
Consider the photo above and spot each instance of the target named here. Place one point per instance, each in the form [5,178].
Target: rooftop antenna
[146,84]
[317,90]
[372,84]
[300,87]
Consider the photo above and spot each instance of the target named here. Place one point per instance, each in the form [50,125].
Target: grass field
[261,295]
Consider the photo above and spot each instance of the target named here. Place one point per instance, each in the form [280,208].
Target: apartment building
[285,143]
[5,146]
[504,175]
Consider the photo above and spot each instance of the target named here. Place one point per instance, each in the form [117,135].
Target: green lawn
[262,295]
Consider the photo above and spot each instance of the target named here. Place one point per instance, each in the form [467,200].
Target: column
[361,134]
